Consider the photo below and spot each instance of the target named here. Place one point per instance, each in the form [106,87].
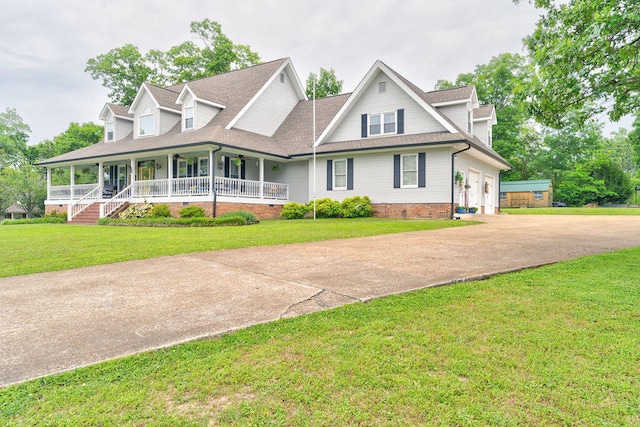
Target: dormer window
[109,130]
[489,137]
[188,117]
[147,123]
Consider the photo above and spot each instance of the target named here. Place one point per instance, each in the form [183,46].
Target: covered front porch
[168,178]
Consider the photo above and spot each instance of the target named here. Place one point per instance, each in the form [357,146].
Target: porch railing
[115,202]
[63,192]
[81,204]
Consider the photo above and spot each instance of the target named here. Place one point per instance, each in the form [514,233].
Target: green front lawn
[50,247]
[571,211]
[556,345]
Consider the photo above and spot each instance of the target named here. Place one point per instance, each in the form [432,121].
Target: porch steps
[89,216]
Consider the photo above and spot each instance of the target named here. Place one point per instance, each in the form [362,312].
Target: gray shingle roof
[484,111]
[448,95]
[119,110]
[165,97]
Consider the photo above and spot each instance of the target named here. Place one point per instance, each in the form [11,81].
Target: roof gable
[117,111]
[485,113]
[164,99]
[406,86]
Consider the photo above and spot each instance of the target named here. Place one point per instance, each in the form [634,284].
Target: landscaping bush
[55,214]
[136,211]
[326,208]
[357,207]
[192,212]
[248,216]
[43,220]
[174,222]
[161,211]
[293,210]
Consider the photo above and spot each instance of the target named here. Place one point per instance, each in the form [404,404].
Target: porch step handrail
[115,202]
[82,203]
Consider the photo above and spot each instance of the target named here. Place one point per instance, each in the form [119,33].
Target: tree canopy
[326,84]
[14,134]
[586,55]
[123,69]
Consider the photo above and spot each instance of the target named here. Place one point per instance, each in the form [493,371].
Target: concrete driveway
[53,322]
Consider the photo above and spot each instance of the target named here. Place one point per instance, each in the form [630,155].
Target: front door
[474,190]
[489,196]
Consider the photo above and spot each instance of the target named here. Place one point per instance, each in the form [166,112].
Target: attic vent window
[382,87]
[281,77]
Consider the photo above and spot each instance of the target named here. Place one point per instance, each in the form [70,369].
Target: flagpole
[314,148]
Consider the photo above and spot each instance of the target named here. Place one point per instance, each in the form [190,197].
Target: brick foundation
[413,210]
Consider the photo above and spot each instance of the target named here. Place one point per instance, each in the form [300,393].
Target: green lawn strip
[571,211]
[51,247]
[557,345]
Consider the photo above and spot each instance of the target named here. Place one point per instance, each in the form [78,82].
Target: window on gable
[470,122]
[188,117]
[382,87]
[489,137]
[340,174]
[281,77]
[383,123]
[147,122]
[109,130]
[409,167]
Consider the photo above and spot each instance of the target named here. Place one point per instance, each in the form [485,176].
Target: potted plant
[473,210]
[459,178]
[461,209]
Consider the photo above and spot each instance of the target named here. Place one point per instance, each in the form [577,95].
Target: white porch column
[48,183]
[72,179]
[211,172]
[133,174]
[100,174]
[261,177]
[170,174]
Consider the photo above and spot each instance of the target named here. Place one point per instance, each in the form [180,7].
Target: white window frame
[203,161]
[185,122]
[537,195]
[381,118]
[336,174]
[143,116]
[402,170]
[109,129]
[489,136]
[469,121]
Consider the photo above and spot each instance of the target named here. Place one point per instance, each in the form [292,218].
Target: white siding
[296,174]
[480,131]
[203,114]
[270,109]
[416,119]
[373,177]
[122,128]
[457,114]
[168,120]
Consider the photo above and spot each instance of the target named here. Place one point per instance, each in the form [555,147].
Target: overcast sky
[44,45]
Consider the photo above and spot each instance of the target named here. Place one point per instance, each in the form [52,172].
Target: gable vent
[382,87]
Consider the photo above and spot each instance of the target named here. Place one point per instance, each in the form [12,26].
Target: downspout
[213,179]
[453,178]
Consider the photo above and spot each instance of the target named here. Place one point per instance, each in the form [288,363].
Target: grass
[571,211]
[50,247]
[556,345]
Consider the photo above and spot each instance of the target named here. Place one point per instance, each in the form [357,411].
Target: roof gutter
[453,177]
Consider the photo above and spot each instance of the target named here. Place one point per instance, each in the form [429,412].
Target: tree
[27,187]
[327,84]
[634,140]
[14,134]
[618,148]
[586,56]
[124,69]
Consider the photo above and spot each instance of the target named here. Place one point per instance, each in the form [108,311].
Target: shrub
[192,212]
[161,211]
[357,207]
[174,222]
[325,208]
[55,214]
[248,216]
[43,220]
[136,211]
[293,210]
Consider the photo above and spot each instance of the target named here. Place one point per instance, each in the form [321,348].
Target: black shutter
[350,174]
[401,121]
[175,168]
[243,169]
[364,122]
[329,174]
[227,172]
[422,175]
[396,171]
